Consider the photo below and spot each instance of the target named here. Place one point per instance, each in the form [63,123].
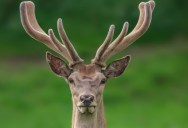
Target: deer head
[86,81]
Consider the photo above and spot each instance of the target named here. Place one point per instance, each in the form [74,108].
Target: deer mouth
[86,109]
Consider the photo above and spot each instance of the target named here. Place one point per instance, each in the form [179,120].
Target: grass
[151,94]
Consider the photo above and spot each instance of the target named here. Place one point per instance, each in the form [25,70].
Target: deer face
[86,82]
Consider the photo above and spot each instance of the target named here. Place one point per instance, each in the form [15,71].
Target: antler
[123,40]
[31,26]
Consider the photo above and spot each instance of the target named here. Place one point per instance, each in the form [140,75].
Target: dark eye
[71,81]
[103,81]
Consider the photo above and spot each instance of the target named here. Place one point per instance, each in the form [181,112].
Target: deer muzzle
[87,104]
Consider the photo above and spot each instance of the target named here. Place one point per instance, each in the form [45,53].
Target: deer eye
[103,81]
[71,81]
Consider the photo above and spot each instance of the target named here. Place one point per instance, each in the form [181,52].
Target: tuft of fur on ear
[117,67]
[58,66]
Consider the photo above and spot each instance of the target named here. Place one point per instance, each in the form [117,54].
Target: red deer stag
[86,81]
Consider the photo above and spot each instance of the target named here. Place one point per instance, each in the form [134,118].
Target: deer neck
[95,120]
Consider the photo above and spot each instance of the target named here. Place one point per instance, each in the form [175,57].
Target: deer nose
[86,99]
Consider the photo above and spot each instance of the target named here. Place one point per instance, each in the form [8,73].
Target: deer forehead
[87,73]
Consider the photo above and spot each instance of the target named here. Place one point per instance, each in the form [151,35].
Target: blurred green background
[152,93]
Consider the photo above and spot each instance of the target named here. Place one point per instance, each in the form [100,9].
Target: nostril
[82,98]
[91,98]
[87,99]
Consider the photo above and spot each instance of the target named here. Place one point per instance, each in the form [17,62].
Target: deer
[86,81]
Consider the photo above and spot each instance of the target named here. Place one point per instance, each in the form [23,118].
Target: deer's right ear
[58,66]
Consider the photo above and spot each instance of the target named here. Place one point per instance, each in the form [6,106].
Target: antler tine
[141,16]
[27,10]
[60,46]
[152,4]
[105,44]
[31,26]
[142,25]
[142,13]
[74,55]
[135,34]
[115,42]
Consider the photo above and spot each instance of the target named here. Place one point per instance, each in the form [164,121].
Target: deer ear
[58,66]
[116,68]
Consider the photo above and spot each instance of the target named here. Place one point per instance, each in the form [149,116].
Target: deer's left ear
[116,68]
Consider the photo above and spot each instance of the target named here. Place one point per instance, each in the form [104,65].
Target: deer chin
[87,109]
